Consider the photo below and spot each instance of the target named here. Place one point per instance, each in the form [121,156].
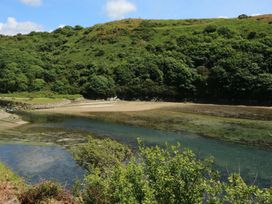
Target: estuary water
[254,164]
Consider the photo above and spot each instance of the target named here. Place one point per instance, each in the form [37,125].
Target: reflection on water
[36,163]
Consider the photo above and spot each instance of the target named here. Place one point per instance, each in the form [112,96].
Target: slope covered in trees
[197,59]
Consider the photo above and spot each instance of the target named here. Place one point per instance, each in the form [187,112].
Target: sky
[24,16]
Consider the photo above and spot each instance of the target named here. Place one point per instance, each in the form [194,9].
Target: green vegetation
[13,189]
[101,153]
[152,175]
[170,175]
[227,60]
[38,97]
[6,175]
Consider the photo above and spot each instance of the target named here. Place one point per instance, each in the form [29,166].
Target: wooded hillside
[197,59]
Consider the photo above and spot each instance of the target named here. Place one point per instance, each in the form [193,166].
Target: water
[254,164]
[36,163]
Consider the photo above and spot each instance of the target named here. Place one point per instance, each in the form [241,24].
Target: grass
[33,101]
[11,185]
[6,175]
[228,123]
[38,97]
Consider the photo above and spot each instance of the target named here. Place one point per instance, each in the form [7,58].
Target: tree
[38,85]
[99,86]
[178,75]
[243,16]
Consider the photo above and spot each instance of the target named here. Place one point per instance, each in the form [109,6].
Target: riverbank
[249,125]
[8,120]
[240,124]
[10,185]
[14,190]
[85,107]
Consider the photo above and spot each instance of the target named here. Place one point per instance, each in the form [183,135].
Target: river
[254,164]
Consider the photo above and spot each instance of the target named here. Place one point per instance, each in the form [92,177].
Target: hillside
[196,59]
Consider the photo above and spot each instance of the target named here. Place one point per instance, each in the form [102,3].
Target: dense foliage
[171,175]
[205,59]
[101,154]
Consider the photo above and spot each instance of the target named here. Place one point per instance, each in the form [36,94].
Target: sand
[8,121]
[89,106]
[86,107]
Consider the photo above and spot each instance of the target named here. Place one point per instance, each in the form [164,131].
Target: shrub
[171,175]
[44,192]
[251,35]
[101,154]
[225,31]
[210,29]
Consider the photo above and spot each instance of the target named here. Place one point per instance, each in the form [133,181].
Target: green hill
[196,59]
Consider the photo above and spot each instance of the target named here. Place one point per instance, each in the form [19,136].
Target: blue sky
[26,15]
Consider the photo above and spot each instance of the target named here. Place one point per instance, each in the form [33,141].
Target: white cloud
[256,14]
[12,27]
[61,26]
[32,2]
[222,17]
[117,9]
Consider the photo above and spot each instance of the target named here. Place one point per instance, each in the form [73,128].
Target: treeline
[216,59]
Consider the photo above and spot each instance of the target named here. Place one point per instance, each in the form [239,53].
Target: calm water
[36,163]
[254,164]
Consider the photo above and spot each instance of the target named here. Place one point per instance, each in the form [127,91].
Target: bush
[251,35]
[45,192]
[171,175]
[225,31]
[210,29]
[101,154]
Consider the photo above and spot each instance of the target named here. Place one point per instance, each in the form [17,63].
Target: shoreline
[8,120]
[250,125]
[230,123]
[88,107]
